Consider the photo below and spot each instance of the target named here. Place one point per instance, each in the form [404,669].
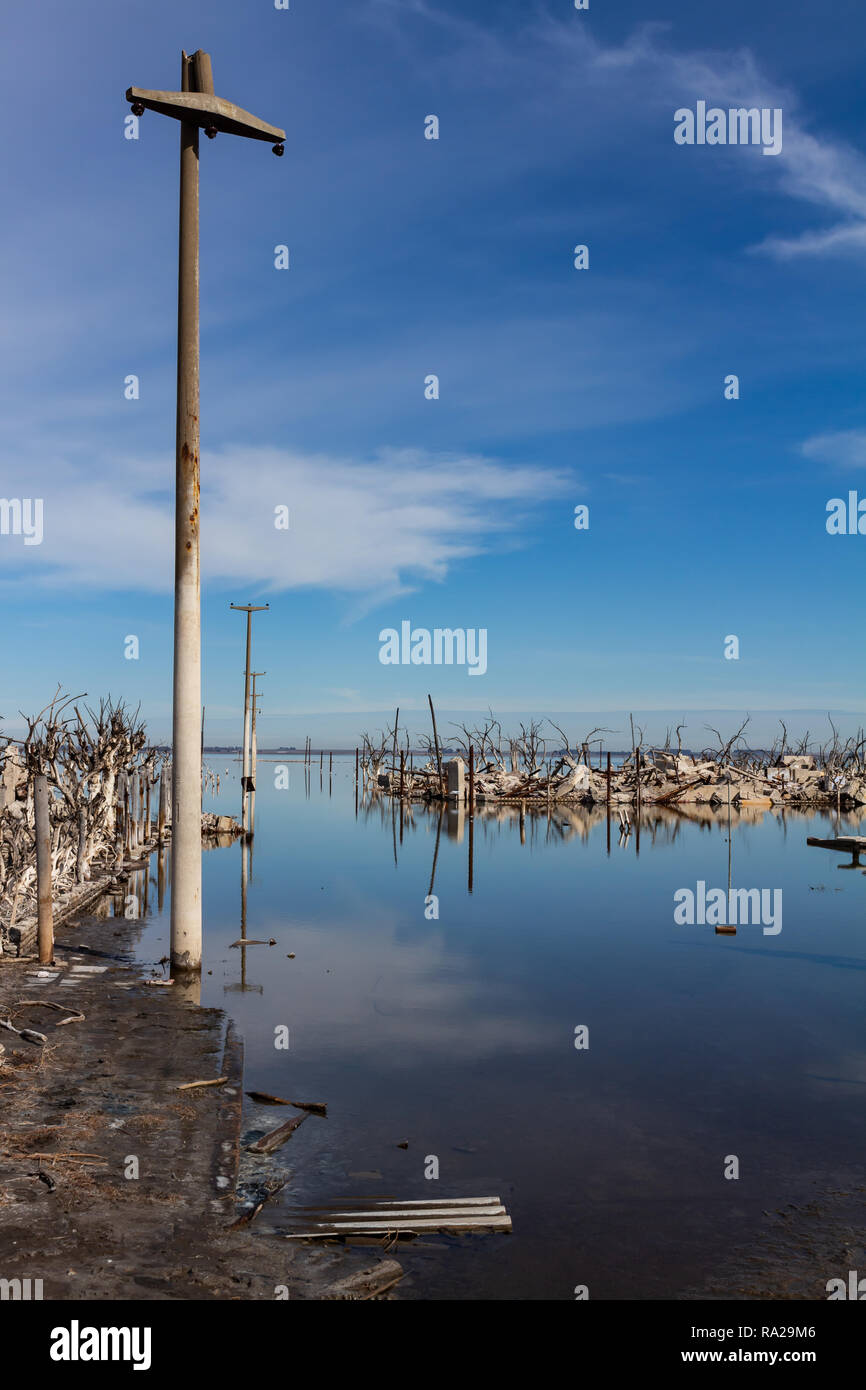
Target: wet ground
[114,1184]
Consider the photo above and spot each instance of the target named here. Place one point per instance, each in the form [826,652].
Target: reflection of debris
[367,1283]
[383,1218]
[263,1098]
[315,1107]
[269,1143]
[855,845]
[246,1218]
[212,824]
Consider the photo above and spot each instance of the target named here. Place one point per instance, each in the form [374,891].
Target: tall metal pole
[186,735]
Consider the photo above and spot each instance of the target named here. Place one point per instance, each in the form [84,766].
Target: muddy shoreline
[114,1184]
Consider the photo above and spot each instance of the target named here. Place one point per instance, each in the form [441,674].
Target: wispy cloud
[375,527]
[841,448]
[647,72]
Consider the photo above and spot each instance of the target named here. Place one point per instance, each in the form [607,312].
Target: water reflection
[456,1031]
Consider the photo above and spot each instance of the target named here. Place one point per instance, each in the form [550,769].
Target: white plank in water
[426,1202]
[441,1223]
[376,1214]
[434,1205]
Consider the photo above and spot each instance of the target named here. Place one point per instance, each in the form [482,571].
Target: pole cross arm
[199,109]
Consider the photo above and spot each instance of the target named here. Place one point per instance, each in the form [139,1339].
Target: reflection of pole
[607,781]
[244,881]
[160,877]
[163,802]
[471,846]
[436,852]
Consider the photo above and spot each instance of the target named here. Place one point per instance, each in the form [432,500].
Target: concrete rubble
[663,778]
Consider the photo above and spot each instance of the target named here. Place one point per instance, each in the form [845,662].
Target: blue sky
[455,257]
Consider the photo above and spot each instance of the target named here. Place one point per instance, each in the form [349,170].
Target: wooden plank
[442,1223]
[848,844]
[269,1143]
[389,1203]
[354,1218]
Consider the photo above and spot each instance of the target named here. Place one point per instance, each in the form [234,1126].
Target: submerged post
[42,827]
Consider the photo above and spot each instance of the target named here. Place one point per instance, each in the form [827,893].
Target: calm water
[457,1034]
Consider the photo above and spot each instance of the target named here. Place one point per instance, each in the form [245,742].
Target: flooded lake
[457,1033]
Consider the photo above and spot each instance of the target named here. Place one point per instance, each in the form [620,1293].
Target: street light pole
[195,107]
[186,740]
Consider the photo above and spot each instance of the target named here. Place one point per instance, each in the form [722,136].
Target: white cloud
[841,448]
[373,528]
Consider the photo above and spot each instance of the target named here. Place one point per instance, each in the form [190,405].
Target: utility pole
[246,778]
[254,750]
[195,107]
